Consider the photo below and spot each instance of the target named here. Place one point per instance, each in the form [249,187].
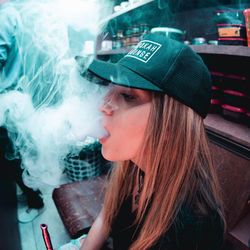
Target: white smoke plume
[52,108]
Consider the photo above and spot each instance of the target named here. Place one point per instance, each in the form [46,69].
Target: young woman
[163,193]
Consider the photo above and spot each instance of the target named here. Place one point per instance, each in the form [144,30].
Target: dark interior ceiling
[183,5]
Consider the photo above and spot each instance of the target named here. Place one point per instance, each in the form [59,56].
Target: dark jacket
[189,231]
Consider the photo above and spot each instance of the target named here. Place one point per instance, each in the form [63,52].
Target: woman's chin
[109,156]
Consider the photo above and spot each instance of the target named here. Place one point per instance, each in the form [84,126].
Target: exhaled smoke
[51,108]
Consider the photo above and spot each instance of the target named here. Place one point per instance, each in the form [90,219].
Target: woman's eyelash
[128,97]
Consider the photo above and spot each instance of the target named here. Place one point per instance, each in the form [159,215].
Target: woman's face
[125,116]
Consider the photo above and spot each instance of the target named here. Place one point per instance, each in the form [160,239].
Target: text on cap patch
[144,51]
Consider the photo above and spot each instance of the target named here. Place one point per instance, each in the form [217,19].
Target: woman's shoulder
[191,215]
[193,230]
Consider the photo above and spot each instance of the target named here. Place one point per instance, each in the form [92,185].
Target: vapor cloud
[52,108]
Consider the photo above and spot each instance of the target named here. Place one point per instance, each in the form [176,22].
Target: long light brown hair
[178,166]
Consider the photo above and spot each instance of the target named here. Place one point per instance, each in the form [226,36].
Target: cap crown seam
[167,76]
[143,76]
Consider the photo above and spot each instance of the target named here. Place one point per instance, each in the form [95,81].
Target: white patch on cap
[144,50]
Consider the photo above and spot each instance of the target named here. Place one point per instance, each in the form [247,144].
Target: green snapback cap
[159,63]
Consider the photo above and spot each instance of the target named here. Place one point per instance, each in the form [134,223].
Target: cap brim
[121,75]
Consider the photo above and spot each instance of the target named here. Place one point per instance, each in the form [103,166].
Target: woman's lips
[104,138]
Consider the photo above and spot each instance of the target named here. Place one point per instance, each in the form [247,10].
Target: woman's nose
[108,106]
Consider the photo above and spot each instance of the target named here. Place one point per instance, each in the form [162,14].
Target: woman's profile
[163,191]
